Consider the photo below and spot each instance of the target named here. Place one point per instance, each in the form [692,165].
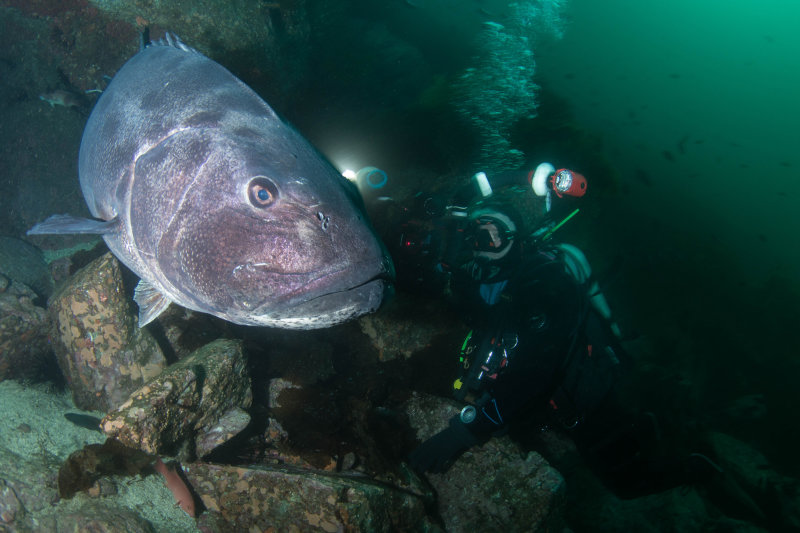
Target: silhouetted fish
[642,176]
[84,421]
[682,144]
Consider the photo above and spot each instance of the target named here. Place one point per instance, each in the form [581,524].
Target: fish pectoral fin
[151,302]
[68,224]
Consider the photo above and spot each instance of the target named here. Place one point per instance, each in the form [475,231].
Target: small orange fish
[177,486]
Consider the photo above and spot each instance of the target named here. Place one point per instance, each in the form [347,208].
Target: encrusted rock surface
[397,331]
[225,428]
[24,344]
[494,487]
[97,517]
[102,353]
[27,485]
[292,499]
[507,491]
[204,393]
[25,263]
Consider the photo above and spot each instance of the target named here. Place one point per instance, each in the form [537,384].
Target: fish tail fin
[68,224]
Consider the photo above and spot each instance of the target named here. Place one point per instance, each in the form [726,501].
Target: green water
[715,84]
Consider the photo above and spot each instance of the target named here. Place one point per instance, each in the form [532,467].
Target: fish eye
[262,192]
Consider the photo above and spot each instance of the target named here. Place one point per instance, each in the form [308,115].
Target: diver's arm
[475,424]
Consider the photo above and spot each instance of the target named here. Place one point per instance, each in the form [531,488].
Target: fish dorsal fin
[68,224]
[170,39]
[151,302]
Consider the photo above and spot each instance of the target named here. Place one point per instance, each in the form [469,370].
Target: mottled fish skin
[220,206]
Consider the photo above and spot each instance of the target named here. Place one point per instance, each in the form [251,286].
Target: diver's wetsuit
[562,361]
[545,313]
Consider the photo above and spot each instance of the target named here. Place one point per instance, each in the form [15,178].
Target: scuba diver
[543,351]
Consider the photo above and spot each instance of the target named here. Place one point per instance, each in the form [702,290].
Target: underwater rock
[23,262]
[101,352]
[509,491]
[11,509]
[678,509]
[283,498]
[228,426]
[184,331]
[36,445]
[274,434]
[748,481]
[490,487]
[278,446]
[27,485]
[97,517]
[256,31]
[275,388]
[186,402]
[749,488]
[397,332]
[24,345]
[750,408]
[84,467]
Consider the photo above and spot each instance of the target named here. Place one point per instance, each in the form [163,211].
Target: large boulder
[199,400]
[405,326]
[750,488]
[25,263]
[27,485]
[95,516]
[284,498]
[102,353]
[493,487]
[24,345]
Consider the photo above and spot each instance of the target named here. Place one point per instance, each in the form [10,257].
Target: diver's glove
[436,454]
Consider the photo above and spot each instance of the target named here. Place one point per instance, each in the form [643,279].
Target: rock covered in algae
[201,398]
[24,344]
[102,353]
[399,332]
[490,487]
[295,499]
[25,263]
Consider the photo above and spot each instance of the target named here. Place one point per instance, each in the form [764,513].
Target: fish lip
[312,290]
[378,281]
[383,277]
[335,282]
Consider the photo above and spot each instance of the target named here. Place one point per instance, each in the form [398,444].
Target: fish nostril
[324,219]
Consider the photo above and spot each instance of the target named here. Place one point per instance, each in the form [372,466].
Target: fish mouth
[336,306]
[338,282]
[327,299]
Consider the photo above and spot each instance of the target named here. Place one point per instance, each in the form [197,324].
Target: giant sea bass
[217,204]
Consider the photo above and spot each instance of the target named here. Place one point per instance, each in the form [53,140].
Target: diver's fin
[151,302]
[68,224]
